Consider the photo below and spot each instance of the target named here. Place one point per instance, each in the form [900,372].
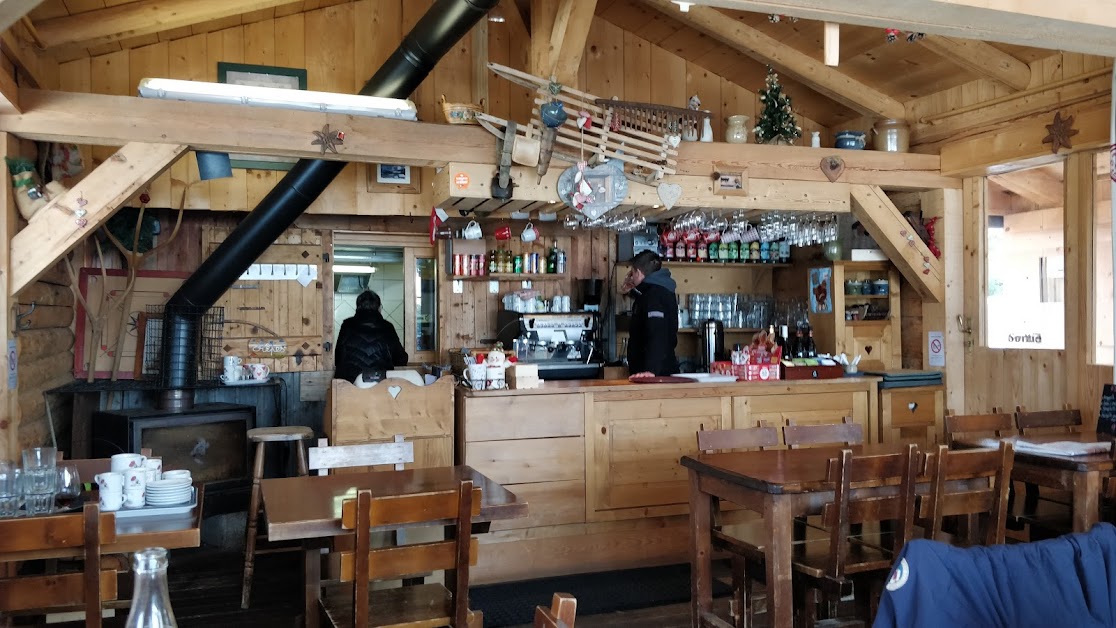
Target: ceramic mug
[503,233]
[125,462]
[472,231]
[231,362]
[232,376]
[135,478]
[259,371]
[134,497]
[530,233]
[476,375]
[671,236]
[109,482]
[711,236]
[692,236]
[176,474]
[111,501]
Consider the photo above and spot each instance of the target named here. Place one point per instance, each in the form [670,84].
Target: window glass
[1102,265]
[1026,260]
[426,303]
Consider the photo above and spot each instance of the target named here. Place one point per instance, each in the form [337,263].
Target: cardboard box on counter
[523,376]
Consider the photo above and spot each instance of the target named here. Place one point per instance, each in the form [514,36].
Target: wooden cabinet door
[874,341]
[636,445]
[826,407]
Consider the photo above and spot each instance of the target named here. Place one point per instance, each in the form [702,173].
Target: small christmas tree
[777,119]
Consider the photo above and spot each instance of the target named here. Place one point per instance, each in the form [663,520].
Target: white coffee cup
[472,231]
[109,482]
[476,374]
[154,462]
[176,473]
[530,233]
[233,374]
[151,475]
[124,462]
[231,361]
[134,497]
[111,501]
[259,371]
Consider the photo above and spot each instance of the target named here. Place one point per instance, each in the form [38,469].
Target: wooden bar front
[597,462]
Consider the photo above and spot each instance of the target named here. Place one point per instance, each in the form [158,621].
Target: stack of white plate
[169,492]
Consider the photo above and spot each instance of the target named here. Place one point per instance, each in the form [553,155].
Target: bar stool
[261,436]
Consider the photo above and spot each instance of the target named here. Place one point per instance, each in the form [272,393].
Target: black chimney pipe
[436,32]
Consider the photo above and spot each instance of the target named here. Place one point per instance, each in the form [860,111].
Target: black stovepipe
[436,32]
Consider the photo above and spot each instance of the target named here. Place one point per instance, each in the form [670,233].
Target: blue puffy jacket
[1067,581]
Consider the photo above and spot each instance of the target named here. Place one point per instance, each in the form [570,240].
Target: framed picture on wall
[261,76]
[821,290]
[394,178]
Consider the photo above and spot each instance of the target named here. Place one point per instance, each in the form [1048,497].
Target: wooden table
[308,508]
[780,485]
[1082,475]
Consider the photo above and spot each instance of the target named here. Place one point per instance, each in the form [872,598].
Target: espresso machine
[563,345]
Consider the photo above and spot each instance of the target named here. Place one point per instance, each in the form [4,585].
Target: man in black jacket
[654,328]
[367,341]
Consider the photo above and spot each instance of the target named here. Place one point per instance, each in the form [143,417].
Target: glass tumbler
[11,496]
[69,486]
[40,479]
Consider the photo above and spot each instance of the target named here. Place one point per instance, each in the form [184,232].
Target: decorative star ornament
[328,140]
[1059,132]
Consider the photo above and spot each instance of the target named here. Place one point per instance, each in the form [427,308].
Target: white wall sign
[935,348]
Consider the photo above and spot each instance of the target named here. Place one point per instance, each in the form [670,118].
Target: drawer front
[524,416]
[531,460]
[549,504]
[912,407]
[828,407]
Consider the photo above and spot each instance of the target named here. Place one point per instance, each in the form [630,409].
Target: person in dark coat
[654,327]
[367,341]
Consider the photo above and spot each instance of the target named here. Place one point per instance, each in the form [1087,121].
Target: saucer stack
[169,492]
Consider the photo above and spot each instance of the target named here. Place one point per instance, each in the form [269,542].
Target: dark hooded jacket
[654,329]
[367,341]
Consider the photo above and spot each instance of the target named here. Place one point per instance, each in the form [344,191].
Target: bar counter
[598,461]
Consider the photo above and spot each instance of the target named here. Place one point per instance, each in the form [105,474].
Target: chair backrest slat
[1049,421]
[407,509]
[994,425]
[740,438]
[561,614]
[820,434]
[407,560]
[325,457]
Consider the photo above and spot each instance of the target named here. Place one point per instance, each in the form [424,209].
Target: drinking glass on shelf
[11,497]
[40,479]
[69,486]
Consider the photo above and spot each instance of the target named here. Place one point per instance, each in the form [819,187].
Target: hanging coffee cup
[530,233]
[472,231]
[503,233]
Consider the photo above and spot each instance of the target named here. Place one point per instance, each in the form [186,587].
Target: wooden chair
[324,457]
[1066,421]
[860,561]
[561,614]
[746,554]
[948,466]
[1047,508]
[994,425]
[823,434]
[26,538]
[352,604]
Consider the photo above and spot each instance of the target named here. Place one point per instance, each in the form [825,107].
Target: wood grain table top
[779,471]
[1089,462]
[310,506]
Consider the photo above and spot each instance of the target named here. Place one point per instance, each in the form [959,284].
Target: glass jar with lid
[892,136]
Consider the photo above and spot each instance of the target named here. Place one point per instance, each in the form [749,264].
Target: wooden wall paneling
[707,86]
[499,51]
[425,97]
[109,75]
[229,193]
[329,67]
[948,205]
[735,100]
[637,68]
[76,76]
[603,61]
[259,49]
[670,76]
[151,61]
[188,61]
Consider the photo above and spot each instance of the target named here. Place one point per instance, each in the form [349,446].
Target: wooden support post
[946,206]
[58,228]
[891,231]
[832,43]
[1078,218]
[9,395]
[983,59]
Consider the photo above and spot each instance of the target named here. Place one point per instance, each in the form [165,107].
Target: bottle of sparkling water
[151,607]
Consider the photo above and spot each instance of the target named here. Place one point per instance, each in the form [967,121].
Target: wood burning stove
[208,439]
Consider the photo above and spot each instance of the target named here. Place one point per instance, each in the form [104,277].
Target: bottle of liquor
[781,341]
[151,607]
[560,266]
[552,259]
[810,350]
[799,347]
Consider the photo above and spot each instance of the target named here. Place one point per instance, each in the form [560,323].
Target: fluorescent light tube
[278,98]
[356,270]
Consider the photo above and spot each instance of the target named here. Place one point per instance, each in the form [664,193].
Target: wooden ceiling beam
[1038,186]
[811,72]
[567,41]
[125,21]
[983,59]
[1087,26]
[12,10]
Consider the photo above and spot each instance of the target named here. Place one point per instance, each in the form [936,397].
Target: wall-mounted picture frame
[394,178]
[728,182]
[261,76]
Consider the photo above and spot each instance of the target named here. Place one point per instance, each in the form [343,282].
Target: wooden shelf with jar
[728,330]
[512,277]
[725,265]
[868,325]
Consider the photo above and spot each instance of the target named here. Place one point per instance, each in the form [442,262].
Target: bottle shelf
[512,277]
[876,323]
[720,264]
[867,296]
[728,330]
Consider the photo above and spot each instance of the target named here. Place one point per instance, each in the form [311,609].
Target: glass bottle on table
[810,350]
[151,607]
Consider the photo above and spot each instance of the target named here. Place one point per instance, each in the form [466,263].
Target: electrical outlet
[494,287]
[458,286]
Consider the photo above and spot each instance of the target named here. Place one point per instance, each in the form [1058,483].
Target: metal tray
[161,511]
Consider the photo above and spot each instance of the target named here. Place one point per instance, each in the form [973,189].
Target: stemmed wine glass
[69,486]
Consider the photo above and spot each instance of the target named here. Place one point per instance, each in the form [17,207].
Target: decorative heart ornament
[394,391]
[669,194]
[674,140]
[868,349]
[912,406]
[832,167]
